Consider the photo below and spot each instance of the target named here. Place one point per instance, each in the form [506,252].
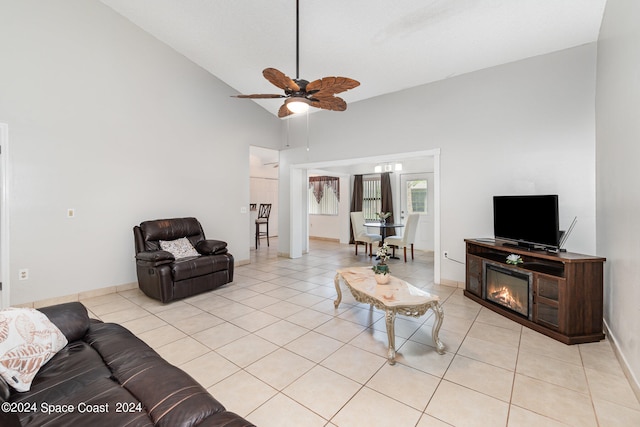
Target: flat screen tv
[530,221]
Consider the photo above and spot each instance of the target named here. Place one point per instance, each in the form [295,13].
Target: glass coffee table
[395,297]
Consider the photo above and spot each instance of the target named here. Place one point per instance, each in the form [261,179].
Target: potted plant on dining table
[381,270]
[382,216]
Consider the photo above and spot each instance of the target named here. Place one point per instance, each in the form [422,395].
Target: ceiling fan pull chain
[288,131]
[308,131]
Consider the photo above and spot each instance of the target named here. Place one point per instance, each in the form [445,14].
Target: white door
[416,196]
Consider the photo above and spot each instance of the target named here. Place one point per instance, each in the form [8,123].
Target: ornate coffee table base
[408,309]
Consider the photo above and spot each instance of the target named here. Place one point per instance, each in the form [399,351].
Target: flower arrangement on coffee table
[381,270]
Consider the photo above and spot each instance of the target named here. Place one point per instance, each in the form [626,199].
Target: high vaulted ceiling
[387,45]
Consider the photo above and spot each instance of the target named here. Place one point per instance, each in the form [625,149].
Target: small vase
[382,279]
[381,268]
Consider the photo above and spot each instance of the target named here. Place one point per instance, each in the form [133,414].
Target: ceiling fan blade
[284,111]
[259,96]
[332,85]
[333,103]
[279,79]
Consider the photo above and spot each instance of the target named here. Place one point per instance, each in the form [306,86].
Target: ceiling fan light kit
[300,93]
[297,105]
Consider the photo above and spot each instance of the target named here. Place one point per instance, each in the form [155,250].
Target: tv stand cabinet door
[547,295]
[474,275]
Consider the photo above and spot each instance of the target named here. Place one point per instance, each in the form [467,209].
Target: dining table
[384,227]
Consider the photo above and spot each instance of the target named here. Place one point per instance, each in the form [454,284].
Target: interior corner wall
[526,127]
[618,151]
[107,120]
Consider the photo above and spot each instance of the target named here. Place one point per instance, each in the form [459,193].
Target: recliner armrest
[155,258]
[211,247]
[71,318]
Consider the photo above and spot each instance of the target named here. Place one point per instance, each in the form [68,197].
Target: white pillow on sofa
[28,340]
[179,248]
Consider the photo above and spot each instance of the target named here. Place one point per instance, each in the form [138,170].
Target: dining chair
[263,219]
[408,236]
[360,234]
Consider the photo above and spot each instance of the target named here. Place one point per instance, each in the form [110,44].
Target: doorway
[298,240]
[5,285]
[264,165]
[416,197]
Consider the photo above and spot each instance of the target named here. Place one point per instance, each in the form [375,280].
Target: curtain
[386,200]
[319,182]
[356,202]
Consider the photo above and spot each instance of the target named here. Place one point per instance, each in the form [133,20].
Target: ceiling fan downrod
[297,39]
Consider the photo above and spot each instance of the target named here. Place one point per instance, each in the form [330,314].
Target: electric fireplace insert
[509,288]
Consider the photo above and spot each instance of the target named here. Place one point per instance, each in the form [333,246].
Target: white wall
[324,227]
[524,127]
[618,174]
[107,120]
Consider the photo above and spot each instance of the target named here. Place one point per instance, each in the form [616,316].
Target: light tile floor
[272,348]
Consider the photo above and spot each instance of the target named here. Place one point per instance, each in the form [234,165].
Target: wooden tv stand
[567,289]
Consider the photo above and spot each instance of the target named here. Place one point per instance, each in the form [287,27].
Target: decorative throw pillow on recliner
[179,248]
[28,340]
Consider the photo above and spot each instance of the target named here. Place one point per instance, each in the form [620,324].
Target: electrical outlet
[71,213]
[23,274]
[445,254]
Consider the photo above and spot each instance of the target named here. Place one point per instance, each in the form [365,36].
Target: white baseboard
[80,295]
[325,239]
[633,381]
[454,283]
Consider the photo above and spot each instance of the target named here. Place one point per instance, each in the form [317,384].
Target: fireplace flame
[504,297]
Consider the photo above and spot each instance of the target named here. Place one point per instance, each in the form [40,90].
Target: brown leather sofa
[165,278]
[106,376]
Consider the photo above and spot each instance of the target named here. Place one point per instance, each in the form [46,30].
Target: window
[417,196]
[324,195]
[371,197]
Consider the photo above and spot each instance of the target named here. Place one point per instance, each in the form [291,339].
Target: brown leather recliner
[165,278]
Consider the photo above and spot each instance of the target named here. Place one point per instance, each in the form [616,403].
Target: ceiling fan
[300,93]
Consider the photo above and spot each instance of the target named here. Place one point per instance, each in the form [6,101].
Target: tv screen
[527,220]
